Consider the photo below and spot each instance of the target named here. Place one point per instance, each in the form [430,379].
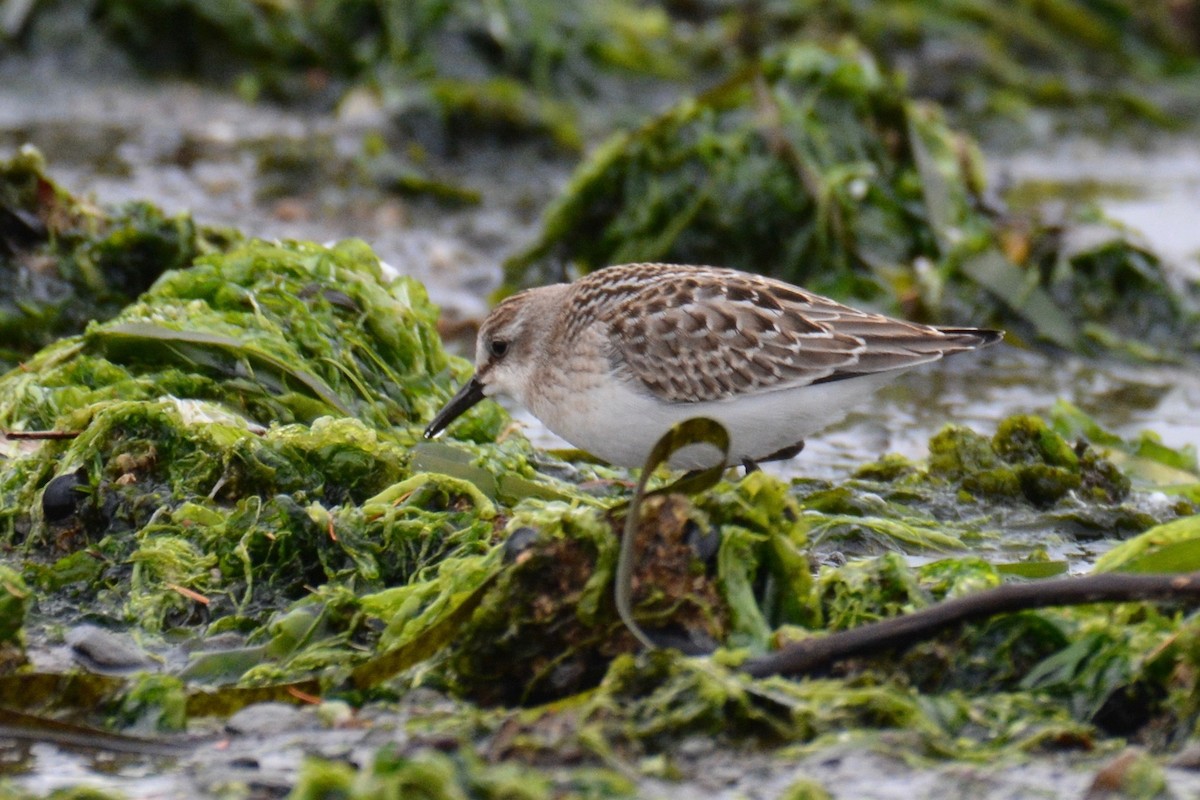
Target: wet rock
[704,541]
[106,652]
[520,541]
[64,495]
[267,718]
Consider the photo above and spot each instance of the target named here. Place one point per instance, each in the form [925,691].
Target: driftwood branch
[25,727]
[819,652]
[15,435]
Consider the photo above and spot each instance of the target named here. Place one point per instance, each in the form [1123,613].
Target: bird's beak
[470,394]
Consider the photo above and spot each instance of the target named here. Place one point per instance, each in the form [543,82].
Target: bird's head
[510,346]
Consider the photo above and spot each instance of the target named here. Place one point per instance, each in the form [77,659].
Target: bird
[611,361]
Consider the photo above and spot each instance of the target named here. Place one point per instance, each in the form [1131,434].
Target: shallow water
[1153,188]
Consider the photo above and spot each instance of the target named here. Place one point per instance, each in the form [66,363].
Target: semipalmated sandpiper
[613,360]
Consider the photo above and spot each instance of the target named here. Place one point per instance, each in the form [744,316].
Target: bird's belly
[612,421]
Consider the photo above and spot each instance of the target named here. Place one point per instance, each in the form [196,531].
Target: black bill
[470,394]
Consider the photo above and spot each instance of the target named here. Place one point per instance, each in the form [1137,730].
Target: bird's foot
[791,451]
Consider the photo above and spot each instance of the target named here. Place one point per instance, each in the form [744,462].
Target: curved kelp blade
[699,430]
[29,691]
[1019,289]
[225,701]
[912,533]
[221,354]
[32,706]
[1032,570]
[445,459]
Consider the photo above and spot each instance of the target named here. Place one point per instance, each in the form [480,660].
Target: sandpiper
[613,360]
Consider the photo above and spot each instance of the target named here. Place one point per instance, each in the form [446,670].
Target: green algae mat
[228,474]
[215,497]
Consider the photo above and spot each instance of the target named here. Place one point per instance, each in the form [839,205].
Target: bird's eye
[498,348]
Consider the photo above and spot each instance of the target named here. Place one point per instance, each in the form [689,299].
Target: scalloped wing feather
[693,334]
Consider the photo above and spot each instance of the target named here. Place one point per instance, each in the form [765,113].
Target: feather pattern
[694,334]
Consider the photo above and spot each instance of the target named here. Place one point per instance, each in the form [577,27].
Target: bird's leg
[791,451]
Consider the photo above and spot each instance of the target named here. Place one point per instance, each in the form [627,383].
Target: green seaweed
[243,472]
[995,64]
[653,700]
[805,168]
[65,262]
[1088,61]
[185,492]
[1170,547]
[1025,460]
[550,613]
[433,775]
[14,603]
[1146,459]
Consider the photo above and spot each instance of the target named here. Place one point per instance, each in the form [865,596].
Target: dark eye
[498,348]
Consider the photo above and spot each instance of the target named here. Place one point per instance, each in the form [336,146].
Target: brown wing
[691,334]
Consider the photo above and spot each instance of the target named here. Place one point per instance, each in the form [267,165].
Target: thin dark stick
[33,728]
[41,434]
[819,652]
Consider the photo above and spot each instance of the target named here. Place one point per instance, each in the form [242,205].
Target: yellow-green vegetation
[1027,459]
[243,472]
[14,600]
[223,422]
[429,774]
